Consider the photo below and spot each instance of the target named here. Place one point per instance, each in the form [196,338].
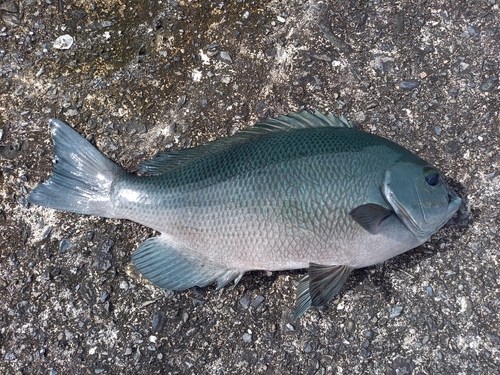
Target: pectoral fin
[170,266]
[319,286]
[369,216]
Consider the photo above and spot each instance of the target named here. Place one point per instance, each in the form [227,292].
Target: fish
[300,191]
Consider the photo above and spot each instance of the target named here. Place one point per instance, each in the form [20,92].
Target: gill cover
[420,197]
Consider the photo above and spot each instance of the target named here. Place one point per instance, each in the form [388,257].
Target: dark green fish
[299,191]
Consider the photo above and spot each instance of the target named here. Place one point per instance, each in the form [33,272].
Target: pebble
[464,65]
[71,113]
[400,366]
[11,20]
[489,84]
[396,311]
[159,321]
[9,356]
[198,302]
[366,353]
[430,290]
[106,246]
[466,307]
[23,202]
[68,335]
[247,337]
[103,297]
[63,42]
[9,6]
[124,285]
[102,257]
[19,91]
[453,92]
[472,31]
[136,126]
[64,245]
[78,13]
[257,301]
[245,302]
[409,84]
[225,57]
[100,25]
[438,130]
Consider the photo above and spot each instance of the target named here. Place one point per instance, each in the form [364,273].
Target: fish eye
[431,176]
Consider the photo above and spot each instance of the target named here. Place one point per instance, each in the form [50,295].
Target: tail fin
[82,176]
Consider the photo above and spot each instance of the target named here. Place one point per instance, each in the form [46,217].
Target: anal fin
[170,266]
[319,286]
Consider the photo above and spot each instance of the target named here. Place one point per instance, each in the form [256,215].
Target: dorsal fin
[170,160]
[300,120]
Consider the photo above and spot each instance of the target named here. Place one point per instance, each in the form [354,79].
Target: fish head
[420,197]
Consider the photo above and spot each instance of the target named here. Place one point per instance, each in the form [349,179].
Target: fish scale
[300,191]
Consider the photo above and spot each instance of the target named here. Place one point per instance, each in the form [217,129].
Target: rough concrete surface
[144,76]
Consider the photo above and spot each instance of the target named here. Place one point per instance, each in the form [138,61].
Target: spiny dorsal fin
[170,160]
[303,119]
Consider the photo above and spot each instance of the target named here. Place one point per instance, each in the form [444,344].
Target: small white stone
[63,42]
[196,74]
[247,337]
[464,65]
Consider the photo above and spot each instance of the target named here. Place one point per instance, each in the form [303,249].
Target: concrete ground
[144,76]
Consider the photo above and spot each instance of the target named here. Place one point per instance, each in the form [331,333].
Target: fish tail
[82,178]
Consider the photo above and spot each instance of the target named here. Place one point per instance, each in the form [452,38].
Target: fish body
[299,191]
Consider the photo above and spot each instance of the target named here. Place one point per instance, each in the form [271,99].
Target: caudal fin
[82,177]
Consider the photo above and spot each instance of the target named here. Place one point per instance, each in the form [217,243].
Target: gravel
[143,77]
